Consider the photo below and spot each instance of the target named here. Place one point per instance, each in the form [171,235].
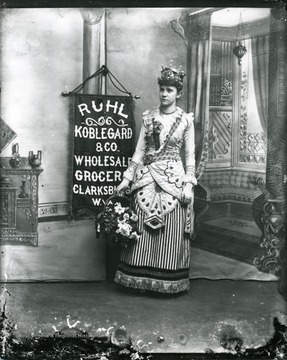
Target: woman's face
[168,95]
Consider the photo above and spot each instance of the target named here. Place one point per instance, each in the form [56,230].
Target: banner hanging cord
[105,71]
[80,87]
[125,92]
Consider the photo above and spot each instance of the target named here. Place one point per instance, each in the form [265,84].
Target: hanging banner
[103,130]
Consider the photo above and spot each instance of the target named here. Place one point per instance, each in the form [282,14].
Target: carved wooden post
[272,240]
[277,104]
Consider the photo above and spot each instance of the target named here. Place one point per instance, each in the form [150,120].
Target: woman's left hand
[187,193]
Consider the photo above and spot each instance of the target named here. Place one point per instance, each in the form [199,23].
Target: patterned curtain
[195,30]
[198,82]
[260,58]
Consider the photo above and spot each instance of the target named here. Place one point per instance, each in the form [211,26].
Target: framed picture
[174,118]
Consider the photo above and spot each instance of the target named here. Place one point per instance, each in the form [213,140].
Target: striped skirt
[159,260]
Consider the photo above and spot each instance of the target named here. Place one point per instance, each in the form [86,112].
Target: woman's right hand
[122,187]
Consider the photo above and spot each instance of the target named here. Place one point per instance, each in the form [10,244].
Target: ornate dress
[159,260]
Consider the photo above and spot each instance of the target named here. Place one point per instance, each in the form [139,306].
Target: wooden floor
[192,322]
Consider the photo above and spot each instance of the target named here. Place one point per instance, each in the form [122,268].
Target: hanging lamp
[240,50]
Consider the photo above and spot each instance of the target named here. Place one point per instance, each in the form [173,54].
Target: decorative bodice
[169,130]
[157,164]
[160,161]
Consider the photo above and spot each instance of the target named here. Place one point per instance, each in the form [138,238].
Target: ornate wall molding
[53,209]
[233,184]
[199,27]
[193,26]
[250,29]
[224,33]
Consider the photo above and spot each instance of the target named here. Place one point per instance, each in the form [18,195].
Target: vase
[14,162]
[34,162]
[23,194]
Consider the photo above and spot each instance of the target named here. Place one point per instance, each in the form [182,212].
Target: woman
[162,190]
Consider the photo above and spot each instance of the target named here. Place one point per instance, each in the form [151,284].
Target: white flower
[121,222]
[124,229]
[126,216]
[119,209]
[134,217]
[125,232]
[135,235]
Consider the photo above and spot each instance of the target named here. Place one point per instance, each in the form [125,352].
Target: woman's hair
[171,77]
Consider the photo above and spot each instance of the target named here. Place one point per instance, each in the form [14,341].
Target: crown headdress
[171,75]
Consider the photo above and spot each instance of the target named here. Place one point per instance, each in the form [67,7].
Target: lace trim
[142,283]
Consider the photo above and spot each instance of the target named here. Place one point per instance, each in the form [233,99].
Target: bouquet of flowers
[119,223]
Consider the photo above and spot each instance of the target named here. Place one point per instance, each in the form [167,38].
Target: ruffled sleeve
[138,154]
[189,150]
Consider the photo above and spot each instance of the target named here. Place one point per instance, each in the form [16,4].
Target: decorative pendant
[239,51]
